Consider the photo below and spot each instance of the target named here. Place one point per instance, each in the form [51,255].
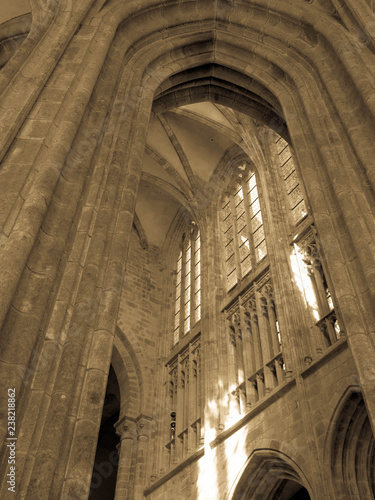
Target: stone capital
[126,428]
[143,426]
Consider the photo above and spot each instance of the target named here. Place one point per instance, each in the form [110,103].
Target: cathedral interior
[187,249]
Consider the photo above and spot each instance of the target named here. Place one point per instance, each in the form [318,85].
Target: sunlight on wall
[235,454]
[234,414]
[207,475]
[303,281]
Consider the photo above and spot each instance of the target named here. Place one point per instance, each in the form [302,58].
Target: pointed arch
[267,474]
[129,376]
[350,448]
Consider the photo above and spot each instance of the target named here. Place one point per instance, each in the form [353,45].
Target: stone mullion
[314,341]
[239,347]
[240,361]
[191,410]
[182,296]
[194,399]
[173,450]
[265,341]
[247,352]
[192,280]
[232,368]
[200,394]
[235,237]
[126,429]
[258,356]
[267,291]
[249,224]
[318,276]
[186,406]
[320,303]
[179,410]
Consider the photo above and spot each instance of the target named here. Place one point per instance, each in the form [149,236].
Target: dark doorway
[290,490]
[103,481]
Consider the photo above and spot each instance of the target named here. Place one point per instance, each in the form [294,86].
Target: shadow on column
[103,481]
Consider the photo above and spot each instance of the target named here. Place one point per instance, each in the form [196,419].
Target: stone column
[126,428]
[143,428]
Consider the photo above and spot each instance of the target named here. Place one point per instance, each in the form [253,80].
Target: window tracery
[293,188]
[184,365]
[188,285]
[184,380]
[244,239]
[316,290]
[255,344]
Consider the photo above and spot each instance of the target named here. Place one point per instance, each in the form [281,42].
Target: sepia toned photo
[187,254]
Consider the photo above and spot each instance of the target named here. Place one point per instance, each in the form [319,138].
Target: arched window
[292,185]
[255,351]
[244,239]
[184,364]
[188,284]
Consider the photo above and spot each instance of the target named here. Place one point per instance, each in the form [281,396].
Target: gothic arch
[266,471]
[350,448]
[291,61]
[128,372]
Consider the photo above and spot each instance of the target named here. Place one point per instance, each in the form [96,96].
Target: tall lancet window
[255,357]
[188,285]
[292,185]
[184,364]
[244,240]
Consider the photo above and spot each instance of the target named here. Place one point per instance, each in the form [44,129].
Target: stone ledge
[178,468]
[275,394]
[328,354]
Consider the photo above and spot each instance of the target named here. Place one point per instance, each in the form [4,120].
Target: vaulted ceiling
[188,136]
[13,8]
[184,147]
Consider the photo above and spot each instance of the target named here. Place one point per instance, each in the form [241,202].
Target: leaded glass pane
[198,255]
[187,325]
[299,212]
[198,313]
[261,251]
[177,320]
[287,168]
[258,236]
[197,268]
[231,264]
[238,197]
[285,155]
[291,182]
[197,283]
[228,236]
[246,265]
[252,182]
[197,298]
[255,208]
[244,250]
[231,279]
